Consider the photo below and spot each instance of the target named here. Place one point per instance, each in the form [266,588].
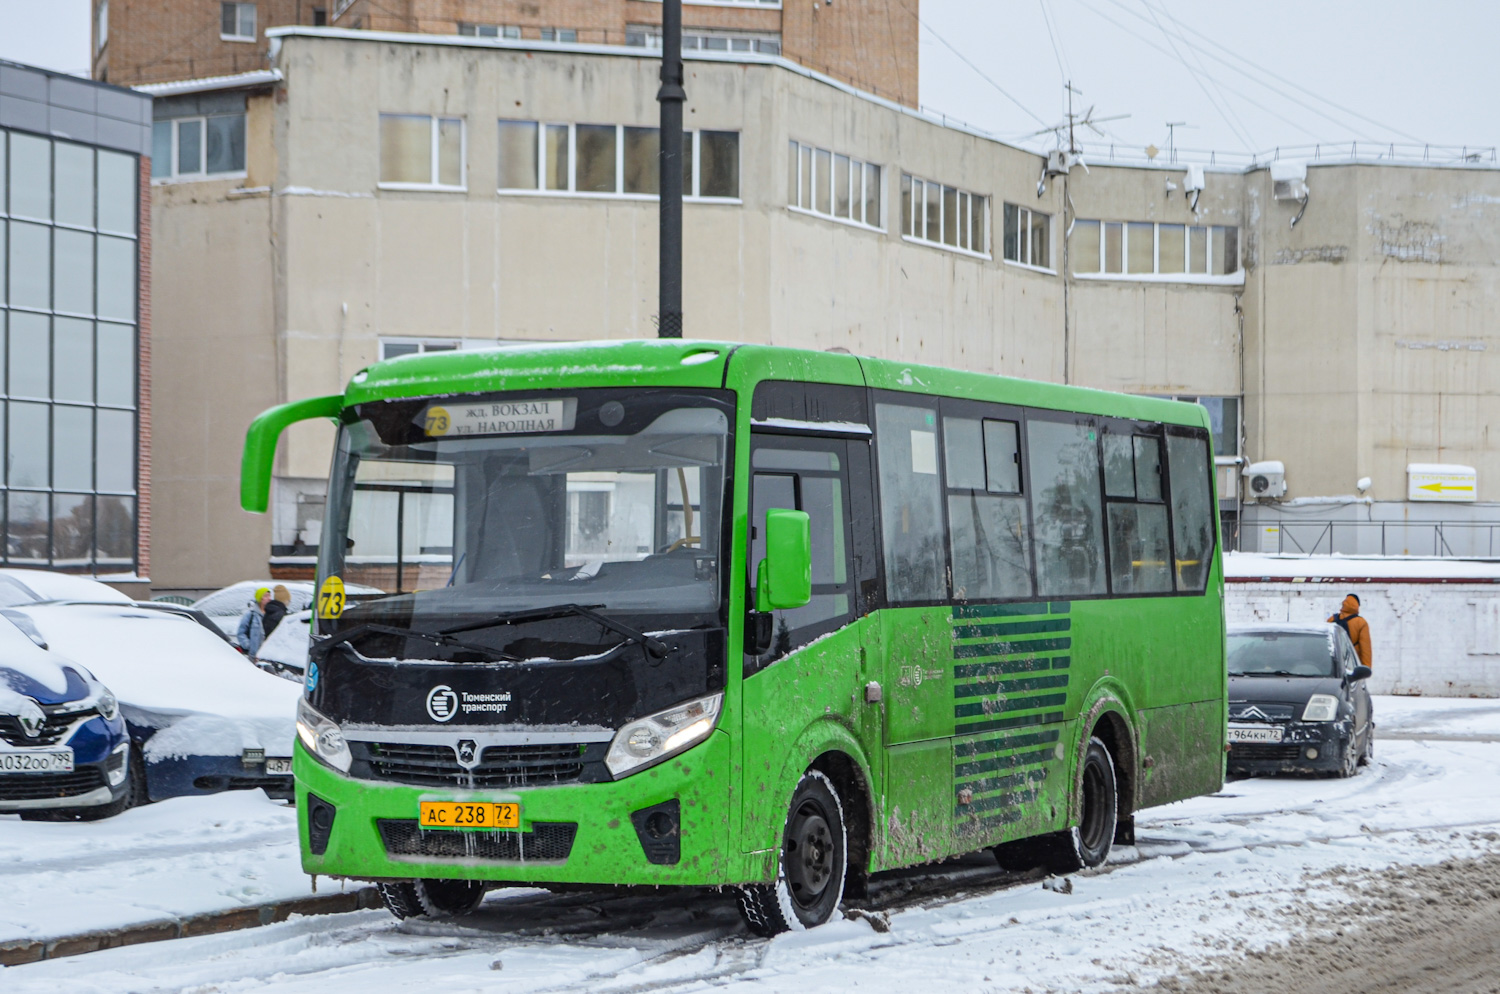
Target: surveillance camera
[1364,484]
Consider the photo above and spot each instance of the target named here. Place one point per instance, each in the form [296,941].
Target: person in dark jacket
[1357,628]
[276,609]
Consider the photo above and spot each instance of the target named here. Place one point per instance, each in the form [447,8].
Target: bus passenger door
[816,665]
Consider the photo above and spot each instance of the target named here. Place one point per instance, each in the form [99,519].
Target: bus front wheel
[431,898]
[810,872]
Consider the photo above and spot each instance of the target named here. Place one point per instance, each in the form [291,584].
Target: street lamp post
[671,96]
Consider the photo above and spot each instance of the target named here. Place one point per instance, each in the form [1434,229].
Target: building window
[488,30]
[613,160]
[102,24]
[69,288]
[421,152]
[320,17]
[198,147]
[1223,420]
[943,215]
[833,185]
[1027,237]
[707,39]
[390,348]
[237,21]
[1145,248]
[568,36]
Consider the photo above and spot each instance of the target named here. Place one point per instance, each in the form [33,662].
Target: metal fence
[1460,539]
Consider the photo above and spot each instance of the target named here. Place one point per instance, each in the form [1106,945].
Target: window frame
[909,226]
[1023,237]
[982,411]
[239,8]
[1131,430]
[172,160]
[433,149]
[1206,278]
[691,149]
[853,163]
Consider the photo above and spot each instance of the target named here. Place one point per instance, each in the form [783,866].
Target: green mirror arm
[260,445]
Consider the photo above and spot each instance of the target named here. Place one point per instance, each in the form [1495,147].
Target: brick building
[871,44]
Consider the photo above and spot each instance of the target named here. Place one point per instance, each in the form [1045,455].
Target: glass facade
[69,286]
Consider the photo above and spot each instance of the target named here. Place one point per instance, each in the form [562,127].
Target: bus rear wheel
[810,872]
[431,898]
[1087,845]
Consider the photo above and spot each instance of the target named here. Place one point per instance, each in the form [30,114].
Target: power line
[977,71]
[1197,58]
[1152,45]
[1198,77]
[1292,83]
[1062,63]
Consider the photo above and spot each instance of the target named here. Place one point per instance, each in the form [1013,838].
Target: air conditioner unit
[1288,180]
[1265,480]
[1060,161]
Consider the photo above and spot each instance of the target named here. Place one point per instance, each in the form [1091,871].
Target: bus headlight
[323,737]
[649,740]
[1321,707]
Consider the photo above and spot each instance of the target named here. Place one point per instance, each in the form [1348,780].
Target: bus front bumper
[666,825]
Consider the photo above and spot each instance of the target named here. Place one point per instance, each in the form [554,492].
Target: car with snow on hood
[64,750]
[201,716]
[1298,701]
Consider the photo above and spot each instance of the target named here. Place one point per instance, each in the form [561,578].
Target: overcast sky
[1372,70]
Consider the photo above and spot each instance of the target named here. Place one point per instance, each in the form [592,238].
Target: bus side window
[1065,488]
[1139,549]
[1188,473]
[807,479]
[987,533]
[911,503]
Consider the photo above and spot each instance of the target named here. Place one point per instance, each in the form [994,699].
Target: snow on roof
[1279,628]
[1245,566]
[235,81]
[53,586]
[163,662]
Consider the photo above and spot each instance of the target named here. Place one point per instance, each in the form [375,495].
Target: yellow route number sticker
[331,598]
[436,422]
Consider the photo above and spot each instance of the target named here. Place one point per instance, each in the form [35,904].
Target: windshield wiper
[1267,673]
[655,648]
[436,638]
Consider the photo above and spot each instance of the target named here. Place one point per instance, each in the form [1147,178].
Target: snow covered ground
[1210,878]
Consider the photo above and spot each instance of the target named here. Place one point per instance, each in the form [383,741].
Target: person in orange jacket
[1357,628]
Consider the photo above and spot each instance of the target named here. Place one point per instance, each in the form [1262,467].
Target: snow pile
[1253,566]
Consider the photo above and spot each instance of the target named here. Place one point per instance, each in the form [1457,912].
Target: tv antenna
[1172,127]
[1072,121]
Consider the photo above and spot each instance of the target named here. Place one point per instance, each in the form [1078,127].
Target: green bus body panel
[260,445]
[986,709]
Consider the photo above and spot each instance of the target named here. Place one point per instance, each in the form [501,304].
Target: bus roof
[701,364]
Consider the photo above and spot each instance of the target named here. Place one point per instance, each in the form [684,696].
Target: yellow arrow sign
[1438,488]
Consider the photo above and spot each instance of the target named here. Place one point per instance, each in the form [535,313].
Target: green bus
[695,613]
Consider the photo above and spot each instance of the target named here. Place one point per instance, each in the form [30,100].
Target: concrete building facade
[401,192]
[75,313]
[871,44]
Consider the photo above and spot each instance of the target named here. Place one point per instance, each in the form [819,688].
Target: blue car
[65,753]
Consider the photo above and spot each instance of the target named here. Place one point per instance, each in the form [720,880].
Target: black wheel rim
[1095,808]
[808,856]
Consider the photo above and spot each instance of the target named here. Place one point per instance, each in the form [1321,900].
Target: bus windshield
[465,508]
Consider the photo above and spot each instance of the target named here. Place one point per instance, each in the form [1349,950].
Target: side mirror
[784,578]
[1360,673]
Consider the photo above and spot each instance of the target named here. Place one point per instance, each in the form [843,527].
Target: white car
[285,649]
[201,717]
[24,586]
[227,605]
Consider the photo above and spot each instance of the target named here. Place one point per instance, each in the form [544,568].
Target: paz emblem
[468,753]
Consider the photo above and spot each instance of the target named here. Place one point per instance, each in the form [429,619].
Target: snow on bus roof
[1247,566]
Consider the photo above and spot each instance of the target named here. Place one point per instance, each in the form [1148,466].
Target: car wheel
[1087,845]
[1369,751]
[432,898]
[1348,760]
[810,871]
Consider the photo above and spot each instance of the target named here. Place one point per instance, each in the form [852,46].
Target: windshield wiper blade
[436,638]
[655,648]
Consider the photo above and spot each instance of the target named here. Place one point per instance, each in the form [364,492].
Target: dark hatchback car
[1297,701]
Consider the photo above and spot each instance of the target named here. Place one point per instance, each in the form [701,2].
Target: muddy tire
[1348,761]
[1368,753]
[811,869]
[1088,844]
[431,898]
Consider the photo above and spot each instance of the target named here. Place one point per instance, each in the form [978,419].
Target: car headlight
[100,700]
[649,740]
[323,737]
[108,707]
[1321,707]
